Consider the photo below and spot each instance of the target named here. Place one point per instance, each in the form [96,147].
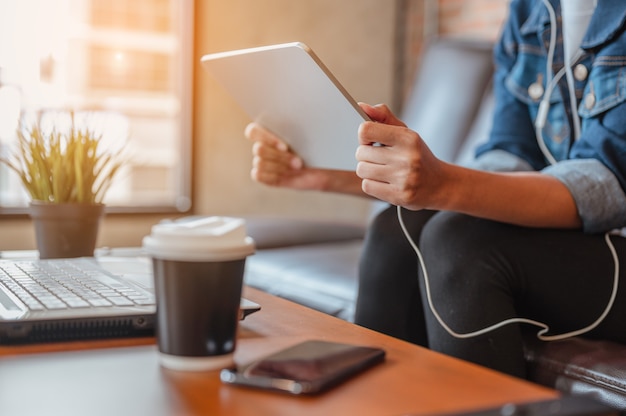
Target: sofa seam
[577,372]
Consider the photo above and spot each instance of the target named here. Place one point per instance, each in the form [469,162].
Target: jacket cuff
[599,198]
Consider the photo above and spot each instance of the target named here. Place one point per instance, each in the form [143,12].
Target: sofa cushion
[320,276]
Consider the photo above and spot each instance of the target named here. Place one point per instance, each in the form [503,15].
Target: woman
[523,233]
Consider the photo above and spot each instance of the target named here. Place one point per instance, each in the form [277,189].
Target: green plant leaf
[63,167]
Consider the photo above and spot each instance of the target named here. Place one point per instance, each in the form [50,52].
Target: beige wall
[355,40]
[472,18]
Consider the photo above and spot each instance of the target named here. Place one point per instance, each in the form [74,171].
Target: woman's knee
[383,226]
[458,249]
[385,235]
[449,236]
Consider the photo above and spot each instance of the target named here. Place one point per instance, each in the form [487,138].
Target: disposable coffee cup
[198,268]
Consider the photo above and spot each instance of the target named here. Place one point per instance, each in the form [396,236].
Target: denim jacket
[594,166]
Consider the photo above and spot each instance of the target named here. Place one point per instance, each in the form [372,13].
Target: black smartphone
[306,368]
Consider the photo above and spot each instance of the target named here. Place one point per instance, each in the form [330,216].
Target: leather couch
[315,263]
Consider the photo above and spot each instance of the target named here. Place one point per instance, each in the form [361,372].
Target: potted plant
[66,172]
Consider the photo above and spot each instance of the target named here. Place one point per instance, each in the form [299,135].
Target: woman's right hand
[275,164]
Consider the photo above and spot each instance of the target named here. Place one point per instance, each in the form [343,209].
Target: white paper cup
[198,270]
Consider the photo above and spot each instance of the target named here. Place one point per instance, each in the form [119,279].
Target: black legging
[482,272]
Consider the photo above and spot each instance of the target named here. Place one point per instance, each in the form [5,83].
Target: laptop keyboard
[45,285]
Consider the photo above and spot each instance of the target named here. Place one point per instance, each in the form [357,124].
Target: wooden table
[123,377]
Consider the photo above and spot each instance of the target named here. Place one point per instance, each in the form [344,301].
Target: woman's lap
[482,272]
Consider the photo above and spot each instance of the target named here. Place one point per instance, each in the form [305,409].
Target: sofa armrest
[274,232]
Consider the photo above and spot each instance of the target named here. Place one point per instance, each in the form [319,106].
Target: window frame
[184,80]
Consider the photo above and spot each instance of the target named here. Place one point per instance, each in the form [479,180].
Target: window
[128,62]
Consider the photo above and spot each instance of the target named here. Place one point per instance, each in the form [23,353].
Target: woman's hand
[275,164]
[395,164]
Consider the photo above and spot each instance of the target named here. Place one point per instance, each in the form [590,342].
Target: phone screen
[308,367]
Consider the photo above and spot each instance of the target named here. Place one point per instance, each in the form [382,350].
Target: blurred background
[135,65]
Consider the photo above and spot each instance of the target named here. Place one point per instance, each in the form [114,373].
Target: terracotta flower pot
[66,230]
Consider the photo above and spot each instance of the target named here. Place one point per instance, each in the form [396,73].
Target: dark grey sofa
[315,263]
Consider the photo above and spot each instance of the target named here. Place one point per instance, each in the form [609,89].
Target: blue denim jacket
[594,166]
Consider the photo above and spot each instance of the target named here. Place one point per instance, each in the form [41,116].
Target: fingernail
[248,129]
[296,163]
[282,146]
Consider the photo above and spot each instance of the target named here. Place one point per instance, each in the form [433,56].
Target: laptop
[287,89]
[79,298]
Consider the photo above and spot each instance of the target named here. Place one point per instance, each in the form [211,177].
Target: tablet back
[288,90]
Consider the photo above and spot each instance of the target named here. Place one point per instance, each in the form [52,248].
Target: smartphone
[307,368]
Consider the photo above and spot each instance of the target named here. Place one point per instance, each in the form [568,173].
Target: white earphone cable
[551,81]
[545,328]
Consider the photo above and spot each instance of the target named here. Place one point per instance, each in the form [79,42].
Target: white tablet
[289,91]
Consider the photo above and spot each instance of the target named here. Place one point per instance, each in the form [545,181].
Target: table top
[123,377]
